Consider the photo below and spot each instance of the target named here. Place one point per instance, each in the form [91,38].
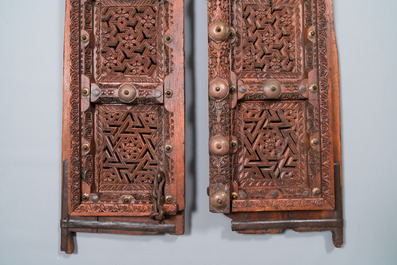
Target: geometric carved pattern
[272,152]
[128,143]
[269,41]
[271,38]
[128,41]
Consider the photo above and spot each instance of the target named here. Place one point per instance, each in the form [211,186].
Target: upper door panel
[127,42]
[275,40]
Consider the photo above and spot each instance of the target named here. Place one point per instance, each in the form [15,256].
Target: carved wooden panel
[274,115]
[273,144]
[127,42]
[271,38]
[129,144]
[123,129]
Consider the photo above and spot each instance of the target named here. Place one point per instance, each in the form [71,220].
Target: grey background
[31,47]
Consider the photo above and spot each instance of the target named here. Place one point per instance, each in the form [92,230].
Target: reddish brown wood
[123,125]
[278,60]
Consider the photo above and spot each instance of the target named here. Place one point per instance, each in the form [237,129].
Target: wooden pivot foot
[67,241]
[337,237]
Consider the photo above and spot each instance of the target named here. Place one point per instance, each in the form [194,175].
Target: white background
[31,44]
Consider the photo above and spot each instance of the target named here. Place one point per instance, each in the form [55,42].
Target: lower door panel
[275,165]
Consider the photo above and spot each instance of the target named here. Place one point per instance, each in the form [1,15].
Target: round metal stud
[232,33]
[168,148]
[219,145]
[127,93]
[85,197]
[311,33]
[168,38]
[233,144]
[96,92]
[313,88]
[85,91]
[126,199]
[243,195]
[302,89]
[314,142]
[85,147]
[169,199]
[274,194]
[316,192]
[219,199]
[242,89]
[157,93]
[85,37]
[306,194]
[168,93]
[94,197]
[218,88]
[234,195]
[218,31]
[272,89]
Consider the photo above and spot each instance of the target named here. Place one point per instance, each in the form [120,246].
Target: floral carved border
[74,86]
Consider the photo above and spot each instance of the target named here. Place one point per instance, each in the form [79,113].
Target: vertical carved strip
[168,132]
[86,26]
[98,31]
[219,110]
[161,19]
[237,20]
[86,115]
[324,97]
[99,156]
[168,53]
[74,178]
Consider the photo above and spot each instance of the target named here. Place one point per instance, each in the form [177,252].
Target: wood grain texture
[285,169]
[112,150]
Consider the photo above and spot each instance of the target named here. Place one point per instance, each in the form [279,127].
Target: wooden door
[274,112]
[123,130]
